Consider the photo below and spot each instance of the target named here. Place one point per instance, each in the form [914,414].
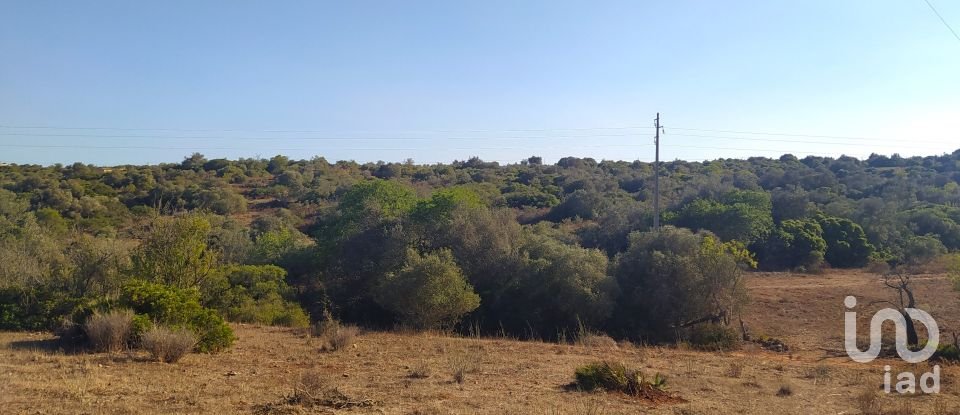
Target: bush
[795,244]
[616,377]
[179,308]
[429,292]
[338,337]
[714,337]
[168,345]
[36,309]
[676,278]
[109,332]
[256,294]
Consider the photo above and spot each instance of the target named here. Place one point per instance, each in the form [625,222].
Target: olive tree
[429,292]
[676,279]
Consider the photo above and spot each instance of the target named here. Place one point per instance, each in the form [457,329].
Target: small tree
[175,252]
[899,281]
[429,292]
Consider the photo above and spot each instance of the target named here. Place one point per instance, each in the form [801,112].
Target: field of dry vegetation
[286,371]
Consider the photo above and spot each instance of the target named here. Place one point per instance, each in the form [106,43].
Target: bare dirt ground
[388,373]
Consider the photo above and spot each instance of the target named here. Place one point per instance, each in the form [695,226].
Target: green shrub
[257,294]
[616,377]
[178,308]
[36,309]
[714,337]
[429,292]
[948,352]
[141,324]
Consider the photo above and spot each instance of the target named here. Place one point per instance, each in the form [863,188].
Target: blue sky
[441,80]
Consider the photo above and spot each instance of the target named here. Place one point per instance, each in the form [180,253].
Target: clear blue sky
[444,80]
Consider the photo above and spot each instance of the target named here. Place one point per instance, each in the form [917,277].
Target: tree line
[526,249]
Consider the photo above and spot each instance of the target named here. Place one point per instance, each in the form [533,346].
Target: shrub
[335,336]
[421,370]
[429,292]
[168,345]
[616,377]
[847,244]
[36,308]
[597,340]
[258,294]
[141,324]
[947,352]
[794,244]
[180,308]
[684,277]
[109,332]
[714,337]
[785,390]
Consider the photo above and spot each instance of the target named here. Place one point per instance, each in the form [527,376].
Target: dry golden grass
[168,345]
[108,332]
[274,370]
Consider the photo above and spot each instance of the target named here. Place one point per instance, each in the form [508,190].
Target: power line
[841,137]
[942,19]
[309,138]
[81,146]
[400,137]
[515,138]
[44,127]
[765,139]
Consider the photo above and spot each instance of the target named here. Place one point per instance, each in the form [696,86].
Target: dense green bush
[741,215]
[428,292]
[714,337]
[847,244]
[795,244]
[178,307]
[255,294]
[38,308]
[920,249]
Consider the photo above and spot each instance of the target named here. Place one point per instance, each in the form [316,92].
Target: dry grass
[421,370]
[735,370]
[108,332]
[786,389]
[597,340]
[339,338]
[334,336]
[168,345]
[263,370]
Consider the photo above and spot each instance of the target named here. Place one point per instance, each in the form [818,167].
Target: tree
[97,265]
[899,281]
[794,244]
[564,286]
[675,279]
[847,244]
[376,199]
[921,249]
[175,252]
[741,215]
[429,292]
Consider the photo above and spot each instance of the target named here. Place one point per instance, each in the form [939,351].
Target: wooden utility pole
[656,177]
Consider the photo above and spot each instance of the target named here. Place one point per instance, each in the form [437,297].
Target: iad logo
[906,381]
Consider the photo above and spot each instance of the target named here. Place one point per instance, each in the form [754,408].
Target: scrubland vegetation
[164,257]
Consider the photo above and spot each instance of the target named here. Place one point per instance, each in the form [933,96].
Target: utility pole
[656,177]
